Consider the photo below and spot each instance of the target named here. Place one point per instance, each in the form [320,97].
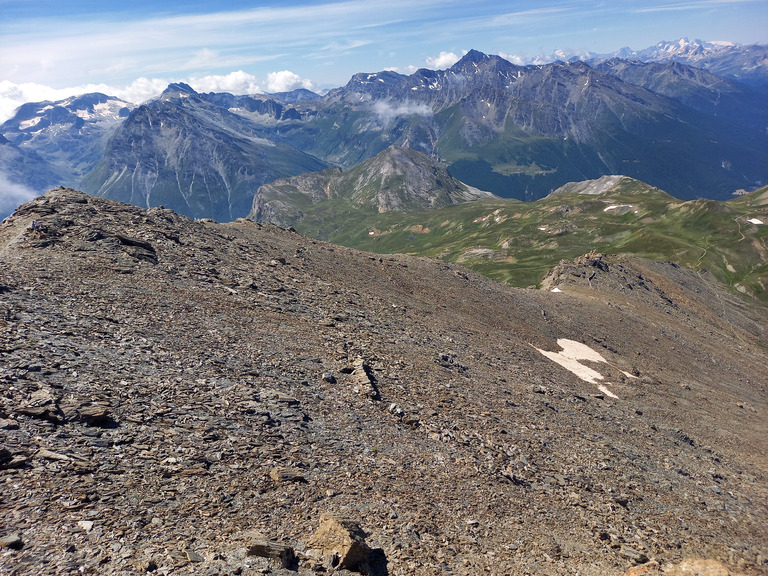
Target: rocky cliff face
[192,155]
[236,398]
[699,89]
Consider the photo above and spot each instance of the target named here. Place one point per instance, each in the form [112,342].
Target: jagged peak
[476,60]
[178,89]
[472,56]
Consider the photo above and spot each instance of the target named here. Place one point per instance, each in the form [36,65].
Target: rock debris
[187,397]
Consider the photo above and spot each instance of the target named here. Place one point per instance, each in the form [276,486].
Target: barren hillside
[178,396]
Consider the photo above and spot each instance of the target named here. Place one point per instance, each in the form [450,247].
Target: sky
[52,49]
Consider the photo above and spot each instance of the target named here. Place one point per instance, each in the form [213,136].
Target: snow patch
[755,221]
[570,356]
[617,207]
[24,124]
[106,110]
[607,392]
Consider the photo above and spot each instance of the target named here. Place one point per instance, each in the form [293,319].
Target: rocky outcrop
[341,543]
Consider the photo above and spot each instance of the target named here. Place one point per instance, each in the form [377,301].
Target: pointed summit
[471,57]
[178,90]
[474,61]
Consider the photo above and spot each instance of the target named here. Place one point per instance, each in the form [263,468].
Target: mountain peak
[178,90]
[474,56]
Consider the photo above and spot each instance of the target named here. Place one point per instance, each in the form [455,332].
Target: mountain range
[195,154]
[517,131]
[748,64]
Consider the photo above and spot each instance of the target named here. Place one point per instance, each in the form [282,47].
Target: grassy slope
[517,243]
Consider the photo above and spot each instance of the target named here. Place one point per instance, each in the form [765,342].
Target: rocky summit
[187,397]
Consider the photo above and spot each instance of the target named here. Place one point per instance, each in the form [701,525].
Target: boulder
[342,541]
[275,550]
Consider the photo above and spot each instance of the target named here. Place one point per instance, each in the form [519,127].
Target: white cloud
[387,112]
[407,70]
[516,59]
[138,91]
[444,60]
[285,81]
[235,82]
[12,195]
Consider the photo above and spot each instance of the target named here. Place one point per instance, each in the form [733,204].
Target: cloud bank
[12,195]
[285,81]
[387,112]
[235,82]
[444,60]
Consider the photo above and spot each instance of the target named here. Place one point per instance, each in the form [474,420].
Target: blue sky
[50,49]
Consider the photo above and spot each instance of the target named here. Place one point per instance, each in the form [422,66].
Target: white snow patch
[607,392]
[569,358]
[570,355]
[542,228]
[755,221]
[24,124]
[555,289]
[110,110]
[617,206]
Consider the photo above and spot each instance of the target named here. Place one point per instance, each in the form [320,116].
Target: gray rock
[633,555]
[12,541]
[276,550]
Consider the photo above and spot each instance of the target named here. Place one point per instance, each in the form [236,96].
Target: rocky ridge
[186,397]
